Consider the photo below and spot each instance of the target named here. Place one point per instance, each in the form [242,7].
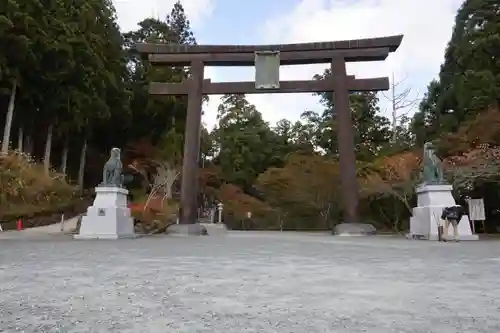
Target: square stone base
[215,229]
[195,229]
[431,199]
[103,236]
[108,217]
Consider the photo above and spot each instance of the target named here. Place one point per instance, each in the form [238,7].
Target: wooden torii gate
[267,81]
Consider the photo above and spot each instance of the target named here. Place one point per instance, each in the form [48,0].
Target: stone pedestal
[431,199]
[354,229]
[195,229]
[215,229]
[108,217]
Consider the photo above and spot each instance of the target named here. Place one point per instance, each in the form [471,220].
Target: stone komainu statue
[432,172]
[112,172]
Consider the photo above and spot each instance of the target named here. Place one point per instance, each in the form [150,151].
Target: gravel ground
[249,282]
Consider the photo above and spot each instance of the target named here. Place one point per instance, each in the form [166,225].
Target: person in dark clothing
[451,215]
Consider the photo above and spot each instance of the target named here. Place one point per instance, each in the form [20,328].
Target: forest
[72,87]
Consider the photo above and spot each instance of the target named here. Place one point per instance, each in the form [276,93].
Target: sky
[426,25]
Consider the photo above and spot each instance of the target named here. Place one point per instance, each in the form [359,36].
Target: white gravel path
[249,282]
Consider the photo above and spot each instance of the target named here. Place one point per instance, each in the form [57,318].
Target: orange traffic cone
[19,225]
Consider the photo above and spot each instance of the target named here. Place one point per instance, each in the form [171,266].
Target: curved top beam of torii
[369,49]
[391,42]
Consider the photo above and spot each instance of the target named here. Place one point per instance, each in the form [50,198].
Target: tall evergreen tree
[469,79]
[245,143]
[180,27]
[372,130]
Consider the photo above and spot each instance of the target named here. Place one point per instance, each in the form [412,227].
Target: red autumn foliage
[238,203]
[482,155]
[484,129]
[475,144]
[153,211]
[209,178]
[400,167]
[142,149]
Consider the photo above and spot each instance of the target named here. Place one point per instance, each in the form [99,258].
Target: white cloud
[130,12]
[426,25]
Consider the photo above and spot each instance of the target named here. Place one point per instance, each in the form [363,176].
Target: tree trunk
[48,149]
[28,145]
[8,119]
[394,111]
[64,158]
[20,139]
[394,125]
[81,170]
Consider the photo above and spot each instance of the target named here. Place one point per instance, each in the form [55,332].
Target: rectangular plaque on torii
[267,70]
[267,60]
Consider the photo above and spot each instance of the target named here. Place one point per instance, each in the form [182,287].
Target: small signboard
[476,210]
[267,69]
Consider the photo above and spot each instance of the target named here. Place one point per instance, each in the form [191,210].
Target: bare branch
[386,97]
[395,84]
[404,114]
[409,107]
[402,96]
[399,101]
